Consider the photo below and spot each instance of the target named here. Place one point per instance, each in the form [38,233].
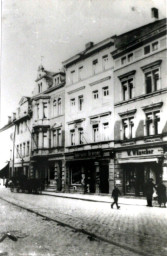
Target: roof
[138,35]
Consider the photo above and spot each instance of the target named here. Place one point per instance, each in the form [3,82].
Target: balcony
[41,122]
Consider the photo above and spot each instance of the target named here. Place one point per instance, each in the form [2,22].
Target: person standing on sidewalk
[149,189]
[115,195]
[161,191]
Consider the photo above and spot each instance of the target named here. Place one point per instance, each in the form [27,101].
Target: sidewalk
[98,198]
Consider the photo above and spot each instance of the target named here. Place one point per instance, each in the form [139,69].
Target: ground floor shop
[135,166]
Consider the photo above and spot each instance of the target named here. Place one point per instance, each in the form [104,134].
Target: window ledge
[143,96]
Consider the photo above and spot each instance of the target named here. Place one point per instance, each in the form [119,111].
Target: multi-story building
[47,160]
[140,107]
[89,118]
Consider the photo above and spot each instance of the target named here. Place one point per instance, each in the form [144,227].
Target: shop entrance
[104,175]
[136,175]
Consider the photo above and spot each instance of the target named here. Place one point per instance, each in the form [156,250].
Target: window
[24,149]
[128,128]
[59,137]
[152,123]
[18,128]
[147,49]
[72,132]
[130,57]
[72,102]
[106,131]
[80,73]
[76,176]
[20,150]
[80,130]
[72,76]
[105,62]
[45,112]
[105,91]
[128,89]
[80,102]
[45,141]
[59,106]
[95,132]
[154,46]
[152,80]
[28,148]
[54,138]
[37,140]
[55,107]
[17,151]
[37,111]
[95,63]
[123,60]
[39,87]
[95,94]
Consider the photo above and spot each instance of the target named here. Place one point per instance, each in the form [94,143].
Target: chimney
[154,13]
[9,119]
[89,45]
[14,116]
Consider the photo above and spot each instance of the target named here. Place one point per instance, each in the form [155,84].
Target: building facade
[89,119]
[140,107]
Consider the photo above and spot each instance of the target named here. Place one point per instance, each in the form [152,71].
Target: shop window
[128,89]
[106,131]
[72,135]
[45,140]
[37,111]
[80,102]
[105,61]
[54,138]
[123,60]
[24,149]
[128,128]
[76,177]
[94,65]
[155,46]
[147,49]
[105,91]
[152,80]
[80,130]
[95,132]
[59,106]
[80,73]
[95,94]
[152,123]
[130,57]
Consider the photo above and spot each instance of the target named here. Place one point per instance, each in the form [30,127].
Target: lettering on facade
[137,152]
[87,154]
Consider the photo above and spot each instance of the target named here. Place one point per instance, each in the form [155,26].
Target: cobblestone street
[132,230]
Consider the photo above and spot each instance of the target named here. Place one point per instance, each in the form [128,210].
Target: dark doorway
[104,175]
[59,177]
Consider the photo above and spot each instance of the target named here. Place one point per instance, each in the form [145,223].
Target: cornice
[100,80]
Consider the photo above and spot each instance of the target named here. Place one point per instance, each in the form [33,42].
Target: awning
[4,172]
[144,160]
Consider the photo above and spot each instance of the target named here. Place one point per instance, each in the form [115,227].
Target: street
[75,227]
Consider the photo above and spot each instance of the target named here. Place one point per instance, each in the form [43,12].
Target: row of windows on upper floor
[23,150]
[141,52]
[152,127]
[57,81]
[79,74]
[22,127]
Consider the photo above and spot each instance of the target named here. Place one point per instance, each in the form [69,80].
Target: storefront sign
[135,152]
[86,154]
[118,182]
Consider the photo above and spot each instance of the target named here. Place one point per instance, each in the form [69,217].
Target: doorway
[104,175]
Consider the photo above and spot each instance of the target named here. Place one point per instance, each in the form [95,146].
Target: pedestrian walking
[149,189]
[161,191]
[115,195]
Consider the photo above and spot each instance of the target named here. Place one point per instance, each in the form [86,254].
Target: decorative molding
[127,113]
[150,65]
[100,115]
[76,121]
[76,90]
[131,73]
[41,97]
[152,106]
[100,80]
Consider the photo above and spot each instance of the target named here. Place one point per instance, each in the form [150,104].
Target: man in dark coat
[149,189]
[115,194]
[161,191]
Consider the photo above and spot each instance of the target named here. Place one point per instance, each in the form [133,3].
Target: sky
[57,30]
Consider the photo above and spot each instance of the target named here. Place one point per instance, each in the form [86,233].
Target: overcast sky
[58,29]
